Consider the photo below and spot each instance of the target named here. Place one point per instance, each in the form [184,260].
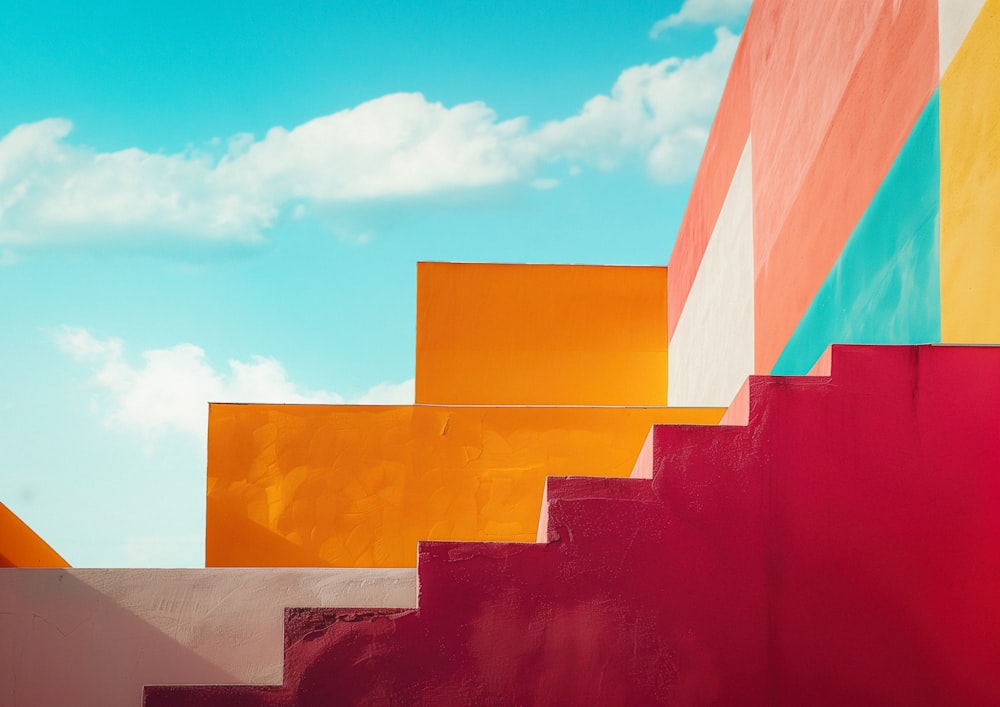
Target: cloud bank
[396,147]
[171,389]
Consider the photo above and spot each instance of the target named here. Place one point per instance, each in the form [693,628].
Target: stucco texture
[359,486]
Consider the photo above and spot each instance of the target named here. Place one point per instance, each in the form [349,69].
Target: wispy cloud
[170,390]
[703,12]
[396,147]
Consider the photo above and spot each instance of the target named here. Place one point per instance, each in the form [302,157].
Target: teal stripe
[886,285]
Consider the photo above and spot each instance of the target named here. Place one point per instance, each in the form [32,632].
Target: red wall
[839,549]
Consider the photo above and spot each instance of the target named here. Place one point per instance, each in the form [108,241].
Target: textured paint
[970,183]
[836,89]
[955,17]
[884,570]
[541,334]
[816,556]
[726,142]
[20,546]
[711,352]
[635,604]
[93,638]
[358,486]
[885,286]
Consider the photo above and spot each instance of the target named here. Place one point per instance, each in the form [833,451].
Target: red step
[839,549]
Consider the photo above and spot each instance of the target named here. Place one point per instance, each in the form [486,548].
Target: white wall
[712,349]
[955,19]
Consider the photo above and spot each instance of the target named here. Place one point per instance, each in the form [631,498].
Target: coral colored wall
[94,637]
[885,285]
[20,546]
[490,334]
[359,486]
[868,222]
[836,91]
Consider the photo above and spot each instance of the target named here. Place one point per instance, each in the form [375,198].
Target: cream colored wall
[712,349]
[955,18]
[94,637]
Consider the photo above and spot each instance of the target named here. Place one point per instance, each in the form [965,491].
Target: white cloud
[386,393]
[171,389]
[400,145]
[662,111]
[702,12]
[395,147]
[54,192]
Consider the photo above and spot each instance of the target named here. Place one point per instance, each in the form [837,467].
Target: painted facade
[813,556]
[95,637]
[872,128]
[832,542]
[522,372]
[360,486]
[583,335]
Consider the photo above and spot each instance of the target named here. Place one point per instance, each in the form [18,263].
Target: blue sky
[222,201]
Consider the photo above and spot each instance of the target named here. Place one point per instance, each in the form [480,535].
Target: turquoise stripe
[886,286]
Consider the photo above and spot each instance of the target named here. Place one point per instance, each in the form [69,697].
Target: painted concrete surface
[802,58]
[832,92]
[885,286]
[816,556]
[955,18]
[837,89]
[20,546]
[884,571]
[492,334]
[726,142]
[360,486]
[970,182]
[94,637]
[712,351]
[595,618]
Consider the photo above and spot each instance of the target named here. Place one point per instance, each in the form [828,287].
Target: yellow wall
[359,486]
[970,186]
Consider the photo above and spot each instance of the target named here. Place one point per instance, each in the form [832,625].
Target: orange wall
[20,546]
[359,486]
[541,334]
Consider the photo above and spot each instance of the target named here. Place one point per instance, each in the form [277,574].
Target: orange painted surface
[541,334]
[20,546]
[827,124]
[718,164]
[359,486]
